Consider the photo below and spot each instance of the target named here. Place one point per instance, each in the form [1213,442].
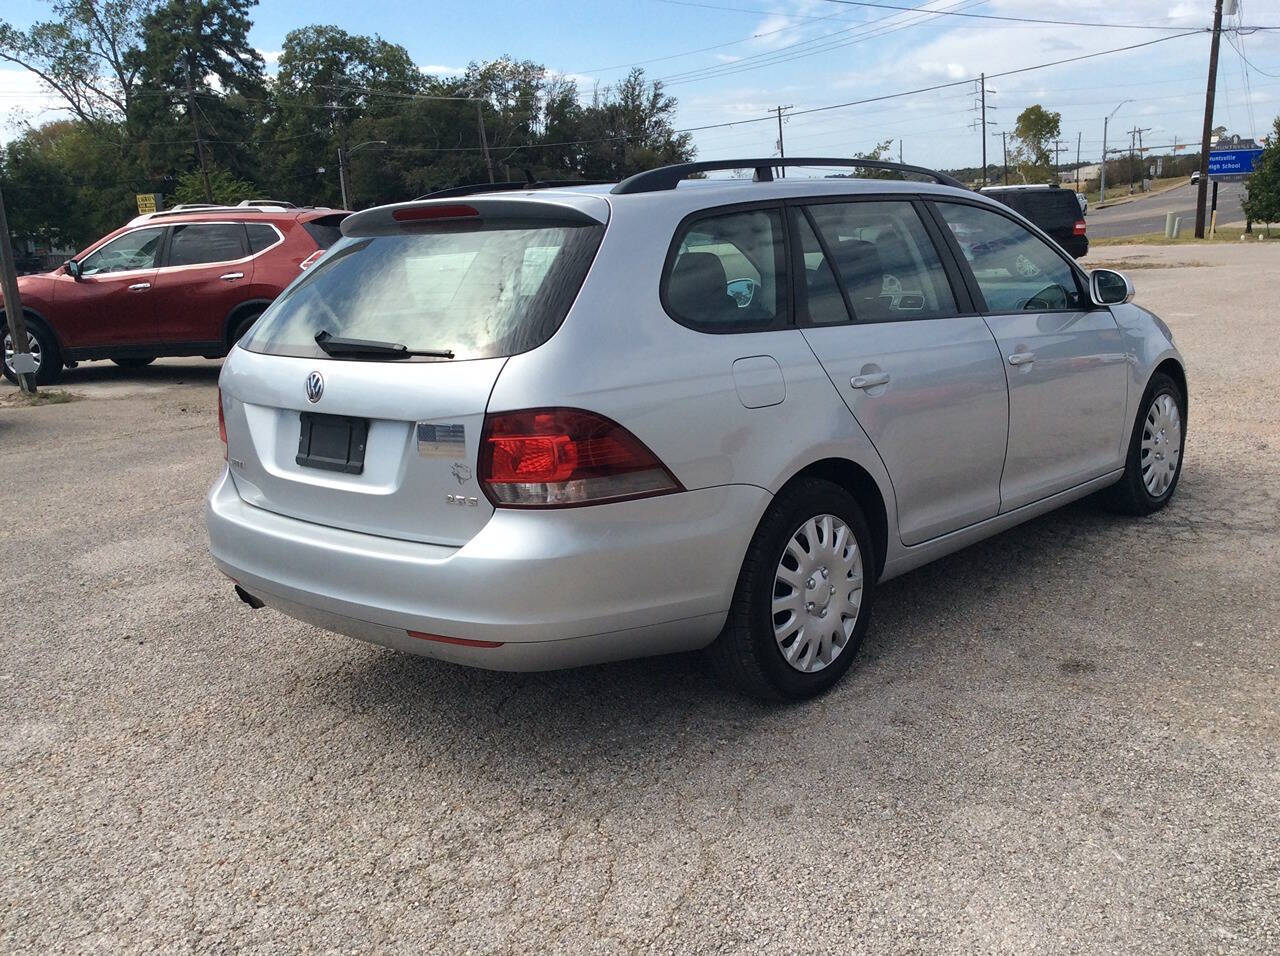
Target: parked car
[1195,177]
[545,428]
[182,282]
[1083,200]
[1055,210]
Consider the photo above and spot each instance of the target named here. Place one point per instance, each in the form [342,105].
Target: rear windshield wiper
[336,345]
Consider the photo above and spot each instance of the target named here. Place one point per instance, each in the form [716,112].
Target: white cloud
[436,69]
[23,102]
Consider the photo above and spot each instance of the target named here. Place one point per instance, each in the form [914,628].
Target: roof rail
[280,203]
[513,186]
[668,177]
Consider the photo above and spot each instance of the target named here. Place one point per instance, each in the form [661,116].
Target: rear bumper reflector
[461,641]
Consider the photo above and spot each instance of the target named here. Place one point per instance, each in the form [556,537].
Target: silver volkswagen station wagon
[526,428]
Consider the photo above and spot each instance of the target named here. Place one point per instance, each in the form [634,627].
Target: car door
[1065,358]
[918,369]
[112,301]
[204,276]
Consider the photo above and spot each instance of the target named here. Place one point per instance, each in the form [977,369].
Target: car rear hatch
[375,426]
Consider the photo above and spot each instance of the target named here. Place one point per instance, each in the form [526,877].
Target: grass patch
[1127,265]
[43,396]
[1187,238]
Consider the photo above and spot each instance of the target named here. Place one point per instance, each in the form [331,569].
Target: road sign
[1232,163]
[148,202]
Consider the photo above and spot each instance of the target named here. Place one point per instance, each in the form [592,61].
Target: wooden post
[1210,89]
[13,303]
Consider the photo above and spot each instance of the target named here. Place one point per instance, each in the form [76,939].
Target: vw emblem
[315,387]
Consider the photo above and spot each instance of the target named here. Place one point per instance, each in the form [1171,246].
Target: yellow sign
[148,202]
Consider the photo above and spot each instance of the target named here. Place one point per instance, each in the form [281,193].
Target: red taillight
[418,213]
[558,457]
[1079,228]
[222,425]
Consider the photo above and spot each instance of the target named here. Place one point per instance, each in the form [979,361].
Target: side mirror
[73,269]
[1110,288]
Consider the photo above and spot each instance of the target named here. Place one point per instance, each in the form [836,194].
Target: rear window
[326,230]
[1044,207]
[479,289]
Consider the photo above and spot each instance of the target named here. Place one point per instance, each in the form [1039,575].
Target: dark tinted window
[1047,208]
[728,272]
[206,242]
[1016,269]
[885,259]
[326,230]
[482,290]
[260,236]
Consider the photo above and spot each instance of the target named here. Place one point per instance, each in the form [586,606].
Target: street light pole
[1102,185]
[343,156]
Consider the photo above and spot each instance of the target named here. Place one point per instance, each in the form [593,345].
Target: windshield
[478,289]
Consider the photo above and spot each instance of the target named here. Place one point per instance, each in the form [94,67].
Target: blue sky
[734,60]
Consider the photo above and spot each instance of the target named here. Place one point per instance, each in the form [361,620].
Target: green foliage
[1035,130]
[148,80]
[1262,204]
[226,189]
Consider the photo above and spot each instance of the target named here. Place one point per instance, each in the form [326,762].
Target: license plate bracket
[332,442]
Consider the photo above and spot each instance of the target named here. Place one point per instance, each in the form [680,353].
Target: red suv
[189,281]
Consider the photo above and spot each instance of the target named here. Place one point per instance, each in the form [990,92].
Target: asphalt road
[1065,739]
[1147,214]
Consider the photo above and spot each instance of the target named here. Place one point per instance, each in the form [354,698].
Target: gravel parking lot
[1066,739]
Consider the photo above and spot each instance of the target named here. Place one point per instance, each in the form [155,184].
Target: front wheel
[1154,461]
[803,597]
[43,349]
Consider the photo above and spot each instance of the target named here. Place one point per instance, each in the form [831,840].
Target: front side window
[480,290]
[1016,270]
[885,259]
[197,243]
[133,250]
[727,274]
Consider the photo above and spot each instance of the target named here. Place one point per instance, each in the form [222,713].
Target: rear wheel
[1154,461]
[242,327]
[134,361]
[803,598]
[43,349]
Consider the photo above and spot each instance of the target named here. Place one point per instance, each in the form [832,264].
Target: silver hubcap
[817,592]
[1161,444]
[33,346]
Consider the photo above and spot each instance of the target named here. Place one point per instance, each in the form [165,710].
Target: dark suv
[1054,209]
[189,281]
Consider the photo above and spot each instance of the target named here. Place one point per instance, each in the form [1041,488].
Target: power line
[1035,20]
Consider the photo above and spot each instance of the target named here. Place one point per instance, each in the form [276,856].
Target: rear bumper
[555,588]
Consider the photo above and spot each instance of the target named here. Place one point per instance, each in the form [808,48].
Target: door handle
[1022,358]
[139,286]
[870,381]
[230,276]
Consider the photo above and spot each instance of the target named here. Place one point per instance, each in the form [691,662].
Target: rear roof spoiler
[578,209]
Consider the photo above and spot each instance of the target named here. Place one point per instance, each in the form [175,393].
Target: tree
[86,56]
[1035,129]
[226,189]
[1262,202]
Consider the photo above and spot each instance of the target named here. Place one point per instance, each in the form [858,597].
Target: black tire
[242,327]
[134,361]
[1130,494]
[747,655]
[50,369]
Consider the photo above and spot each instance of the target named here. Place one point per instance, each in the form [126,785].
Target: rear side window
[885,259]
[200,242]
[261,236]
[325,231]
[479,289]
[727,272]
[1052,207]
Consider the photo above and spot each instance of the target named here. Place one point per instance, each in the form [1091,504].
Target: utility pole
[1079,140]
[981,108]
[1133,140]
[342,176]
[1102,184]
[195,126]
[1057,148]
[1004,145]
[484,140]
[13,311]
[1142,158]
[782,153]
[1202,192]
[900,152]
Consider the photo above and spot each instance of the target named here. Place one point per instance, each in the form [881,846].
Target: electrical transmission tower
[980,106]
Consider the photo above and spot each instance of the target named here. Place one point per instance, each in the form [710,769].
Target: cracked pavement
[1063,739]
